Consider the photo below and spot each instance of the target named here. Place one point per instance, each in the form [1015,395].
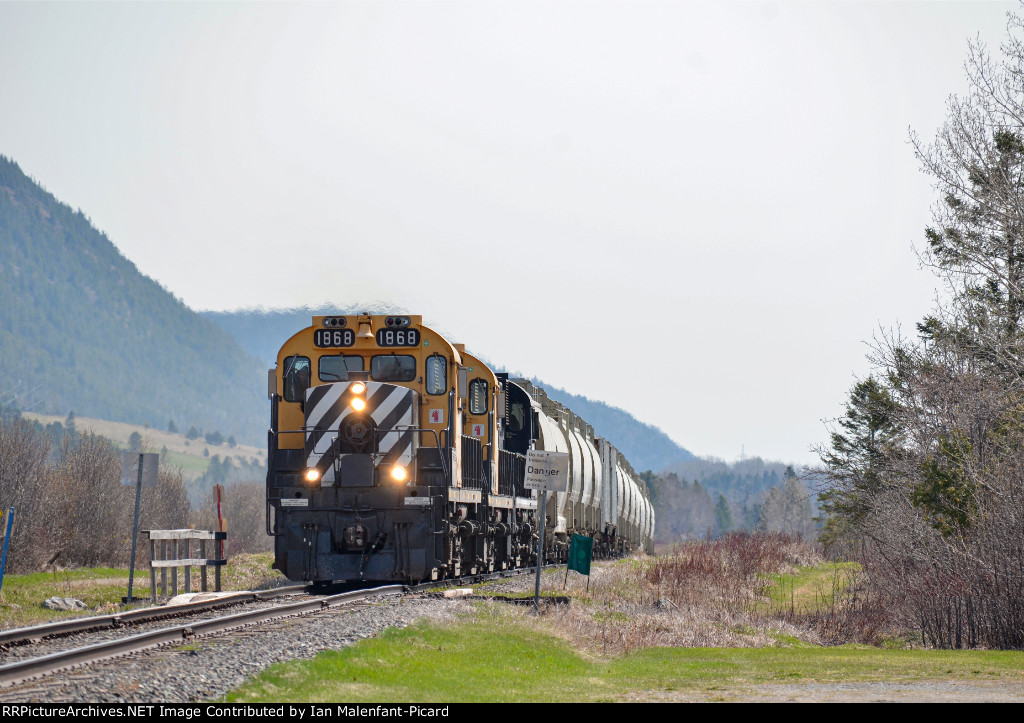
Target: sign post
[547,472]
[7,542]
[140,470]
[581,553]
[540,548]
[220,527]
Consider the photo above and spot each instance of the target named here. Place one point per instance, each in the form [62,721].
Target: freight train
[397,456]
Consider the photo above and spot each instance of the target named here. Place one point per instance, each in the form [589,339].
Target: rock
[459,592]
[63,603]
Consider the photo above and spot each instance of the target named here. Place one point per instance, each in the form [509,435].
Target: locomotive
[397,456]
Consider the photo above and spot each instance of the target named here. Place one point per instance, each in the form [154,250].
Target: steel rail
[18,671]
[14,636]
[482,577]
[134,617]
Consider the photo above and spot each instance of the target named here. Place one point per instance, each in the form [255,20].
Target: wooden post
[188,568]
[152,570]
[218,554]
[202,554]
[163,570]
[174,570]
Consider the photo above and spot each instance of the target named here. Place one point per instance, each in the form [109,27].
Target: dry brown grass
[702,594]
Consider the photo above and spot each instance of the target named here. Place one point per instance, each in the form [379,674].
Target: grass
[101,588]
[499,656]
[182,452]
[190,465]
[808,588]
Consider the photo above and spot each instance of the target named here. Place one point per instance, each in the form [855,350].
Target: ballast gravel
[208,667]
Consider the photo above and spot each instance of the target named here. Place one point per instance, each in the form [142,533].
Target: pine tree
[723,515]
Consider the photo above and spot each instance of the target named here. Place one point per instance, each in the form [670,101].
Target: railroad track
[30,669]
[72,626]
[22,670]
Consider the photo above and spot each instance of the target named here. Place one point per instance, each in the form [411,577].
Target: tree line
[722,503]
[925,470]
[73,511]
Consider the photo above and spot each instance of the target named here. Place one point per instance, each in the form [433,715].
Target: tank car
[395,455]
[605,499]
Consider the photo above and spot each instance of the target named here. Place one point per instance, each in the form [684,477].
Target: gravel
[209,667]
[58,643]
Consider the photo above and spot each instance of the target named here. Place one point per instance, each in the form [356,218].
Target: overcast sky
[699,212]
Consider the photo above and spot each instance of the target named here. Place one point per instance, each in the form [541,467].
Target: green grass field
[98,587]
[809,587]
[495,658]
[102,587]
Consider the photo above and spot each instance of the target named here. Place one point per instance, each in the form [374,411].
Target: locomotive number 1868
[333,337]
[398,337]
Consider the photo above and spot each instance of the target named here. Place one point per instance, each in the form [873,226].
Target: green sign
[581,552]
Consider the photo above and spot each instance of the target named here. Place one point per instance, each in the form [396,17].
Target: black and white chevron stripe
[391,407]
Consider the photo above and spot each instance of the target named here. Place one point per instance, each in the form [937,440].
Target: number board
[326,338]
[398,337]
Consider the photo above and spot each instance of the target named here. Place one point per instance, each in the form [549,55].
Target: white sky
[698,212]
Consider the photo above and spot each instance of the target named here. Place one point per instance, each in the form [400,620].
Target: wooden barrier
[175,537]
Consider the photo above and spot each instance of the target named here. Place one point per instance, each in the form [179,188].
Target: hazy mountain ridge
[261,332]
[644,445]
[81,329]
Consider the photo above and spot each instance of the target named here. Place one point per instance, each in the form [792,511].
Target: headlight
[311,475]
[358,388]
[358,404]
[399,473]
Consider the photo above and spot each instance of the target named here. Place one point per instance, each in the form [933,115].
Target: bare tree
[926,468]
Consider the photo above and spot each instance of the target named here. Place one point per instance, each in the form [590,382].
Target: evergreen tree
[924,468]
[723,515]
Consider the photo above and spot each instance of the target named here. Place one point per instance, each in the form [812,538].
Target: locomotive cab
[361,444]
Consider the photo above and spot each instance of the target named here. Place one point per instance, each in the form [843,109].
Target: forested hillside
[261,332]
[82,330]
[646,447]
[701,497]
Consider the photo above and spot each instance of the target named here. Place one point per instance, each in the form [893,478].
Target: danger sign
[547,470]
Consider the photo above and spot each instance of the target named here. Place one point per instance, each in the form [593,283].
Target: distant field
[184,453]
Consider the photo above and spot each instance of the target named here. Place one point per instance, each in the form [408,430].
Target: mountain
[81,329]
[261,332]
[645,446]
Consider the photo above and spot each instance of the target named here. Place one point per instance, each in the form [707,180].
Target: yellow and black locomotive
[394,455]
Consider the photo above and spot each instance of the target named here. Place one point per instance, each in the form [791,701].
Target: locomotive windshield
[296,378]
[335,368]
[393,368]
[437,367]
[516,417]
[478,396]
